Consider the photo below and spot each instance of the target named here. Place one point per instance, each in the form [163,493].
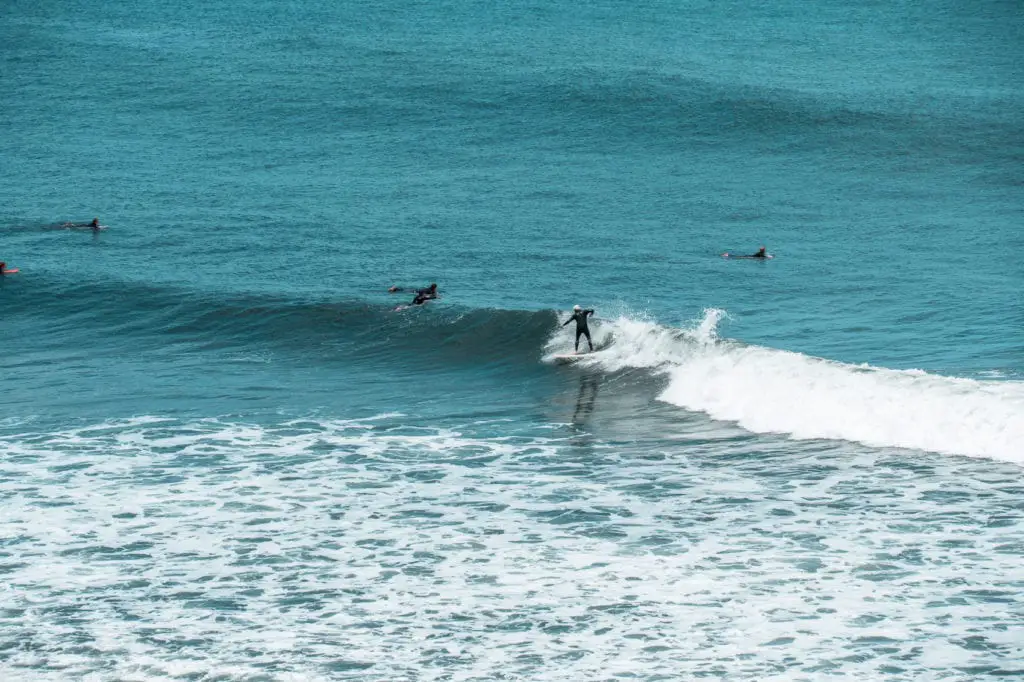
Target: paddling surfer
[424,295]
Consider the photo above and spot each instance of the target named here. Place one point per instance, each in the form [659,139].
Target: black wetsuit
[581,327]
[424,295]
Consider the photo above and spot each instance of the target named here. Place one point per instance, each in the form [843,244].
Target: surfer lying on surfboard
[761,253]
[95,224]
[4,270]
[422,295]
[580,315]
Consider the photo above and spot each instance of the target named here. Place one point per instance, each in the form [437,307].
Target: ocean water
[224,455]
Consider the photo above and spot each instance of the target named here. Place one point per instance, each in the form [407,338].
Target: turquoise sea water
[224,455]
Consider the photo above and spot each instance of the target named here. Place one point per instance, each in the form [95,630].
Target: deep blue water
[225,455]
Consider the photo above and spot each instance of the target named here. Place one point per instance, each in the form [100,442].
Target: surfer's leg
[576,348]
[589,342]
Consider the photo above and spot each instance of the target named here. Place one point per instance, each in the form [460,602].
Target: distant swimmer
[93,225]
[5,271]
[424,295]
[580,316]
[762,253]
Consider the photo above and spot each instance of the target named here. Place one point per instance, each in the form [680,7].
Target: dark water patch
[978,670]
[135,550]
[992,596]
[979,643]
[572,516]
[1010,548]
[881,572]
[343,666]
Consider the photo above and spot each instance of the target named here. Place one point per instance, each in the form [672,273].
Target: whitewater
[320,549]
[766,390]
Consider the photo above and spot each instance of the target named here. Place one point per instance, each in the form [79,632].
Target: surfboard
[566,358]
[413,305]
[10,272]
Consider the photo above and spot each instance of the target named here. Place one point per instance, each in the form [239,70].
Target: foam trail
[772,391]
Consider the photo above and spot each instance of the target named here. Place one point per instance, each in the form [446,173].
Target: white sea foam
[383,550]
[773,391]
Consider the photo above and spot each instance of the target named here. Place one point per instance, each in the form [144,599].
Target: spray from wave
[765,390]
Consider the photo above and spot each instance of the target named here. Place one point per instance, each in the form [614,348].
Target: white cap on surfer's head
[577,308]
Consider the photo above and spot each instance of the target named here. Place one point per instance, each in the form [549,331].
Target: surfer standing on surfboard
[580,315]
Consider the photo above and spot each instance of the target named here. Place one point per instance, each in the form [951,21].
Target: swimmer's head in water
[433,286]
[576,308]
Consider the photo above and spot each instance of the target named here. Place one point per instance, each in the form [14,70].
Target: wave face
[761,389]
[765,390]
[130,314]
